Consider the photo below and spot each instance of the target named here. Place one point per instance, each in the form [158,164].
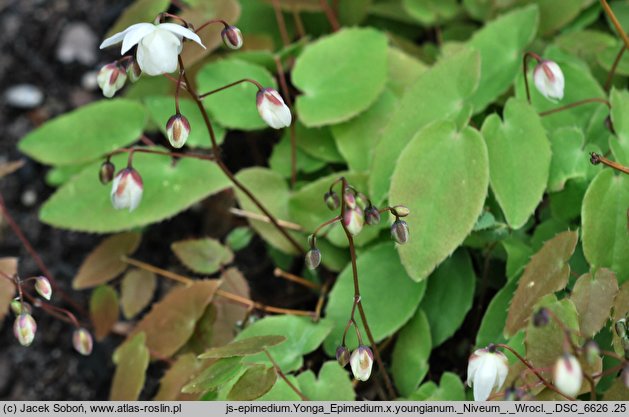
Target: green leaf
[519,160]
[620,310]
[404,70]
[132,360]
[604,219]
[234,108]
[495,318]
[331,74]
[176,377]
[104,310]
[429,12]
[388,296]
[138,11]
[501,44]
[84,204]
[136,291]
[254,383]
[281,391]
[409,363]
[450,389]
[317,142]
[518,255]
[444,308]
[244,347]
[547,272]
[555,14]
[239,238]
[86,134]
[568,157]
[620,107]
[302,337]
[593,297]
[281,157]
[203,256]
[457,78]
[215,375]
[161,108]
[442,177]
[333,384]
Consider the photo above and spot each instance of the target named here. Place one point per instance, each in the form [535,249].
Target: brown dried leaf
[621,308]
[546,272]
[103,310]
[253,384]
[593,297]
[136,291]
[176,377]
[204,256]
[132,360]
[105,262]
[228,314]
[8,266]
[8,168]
[171,322]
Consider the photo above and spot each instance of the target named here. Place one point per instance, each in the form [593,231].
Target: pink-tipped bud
[342,355]
[17,307]
[331,199]
[350,198]
[541,317]
[372,216]
[82,341]
[272,108]
[43,288]
[399,231]
[24,329]
[362,201]
[106,172]
[592,352]
[177,130]
[111,78]
[361,362]
[567,375]
[134,72]
[401,211]
[126,190]
[549,80]
[354,220]
[313,258]
[232,37]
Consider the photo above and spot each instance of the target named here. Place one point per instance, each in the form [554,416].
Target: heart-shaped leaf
[203,256]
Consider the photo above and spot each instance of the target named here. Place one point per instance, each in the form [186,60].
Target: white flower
[111,78]
[549,80]
[126,190]
[43,288]
[361,362]
[158,45]
[24,329]
[272,108]
[487,369]
[567,375]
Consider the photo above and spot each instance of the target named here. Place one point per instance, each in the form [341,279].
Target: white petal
[157,53]
[182,32]
[484,380]
[118,37]
[134,36]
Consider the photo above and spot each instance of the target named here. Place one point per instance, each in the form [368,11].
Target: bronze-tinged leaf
[105,262]
[254,383]
[244,347]
[621,308]
[179,374]
[546,272]
[228,314]
[138,12]
[136,291]
[8,168]
[170,323]
[132,360]
[593,296]
[8,266]
[618,391]
[203,256]
[297,5]
[215,375]
[104,309]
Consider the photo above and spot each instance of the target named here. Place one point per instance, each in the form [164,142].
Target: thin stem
[256,216]
[596,159]
[576,104]
[225,87]
[592,386]
[177,89]
[322,295]
[299,24]
[294,278]
[209,22]
[612,71]
[293,139]
[615,22]
[281,23]
[327,223]
[278,370]
[329,14]
[165,153]
[161,17]
[528,55]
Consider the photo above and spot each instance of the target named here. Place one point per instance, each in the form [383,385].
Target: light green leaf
[281,391]
[317,142]
[495,318]
[429,12]
[215,375]
[388,295]
[243,347]
[280,160]
[132,360]
[555,14]
[203,256]
[409,363]
[331,74]
[87,133]
[442,177]
[620,118]
[519,160]
[333,384]
[569,160]
[450,389]
[84,204]
[404,70]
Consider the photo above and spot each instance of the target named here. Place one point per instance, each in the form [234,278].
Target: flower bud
[134,72]
[82,341]
[177,130]
[342,355]
[350,198]
[361,362]
[487,369]
[24,329]
[549,80]
[43,288]
[106,172]
[272,108]
[232,37]
[592,351]
[567,375]
[372,216]
[362,201]
[541,318]
[354,220]
[111,78]
[17,307]
[621,328]
[401,211]
[313,258]
[126,189]
[399,231]
[331,199]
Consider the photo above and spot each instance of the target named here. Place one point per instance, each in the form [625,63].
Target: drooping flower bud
[134,72]
[24,329]
[401,211]
[82,341]
[541,318]
[18,307]
[126,190]
[362,201]
[350,198]
[177,130]
[354,220]
[331,199]
[232,37]
[272,108]
[372,216]
[111,78]
[592,351]
[549,80]
[43,288]
[487,369]
[106,172]
[399,231]
[342,355]
[361,362]
[567,375]
[313,258]
[621,328]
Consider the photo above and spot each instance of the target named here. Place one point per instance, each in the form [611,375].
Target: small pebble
[29,198]
[23,96]
[77,43]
